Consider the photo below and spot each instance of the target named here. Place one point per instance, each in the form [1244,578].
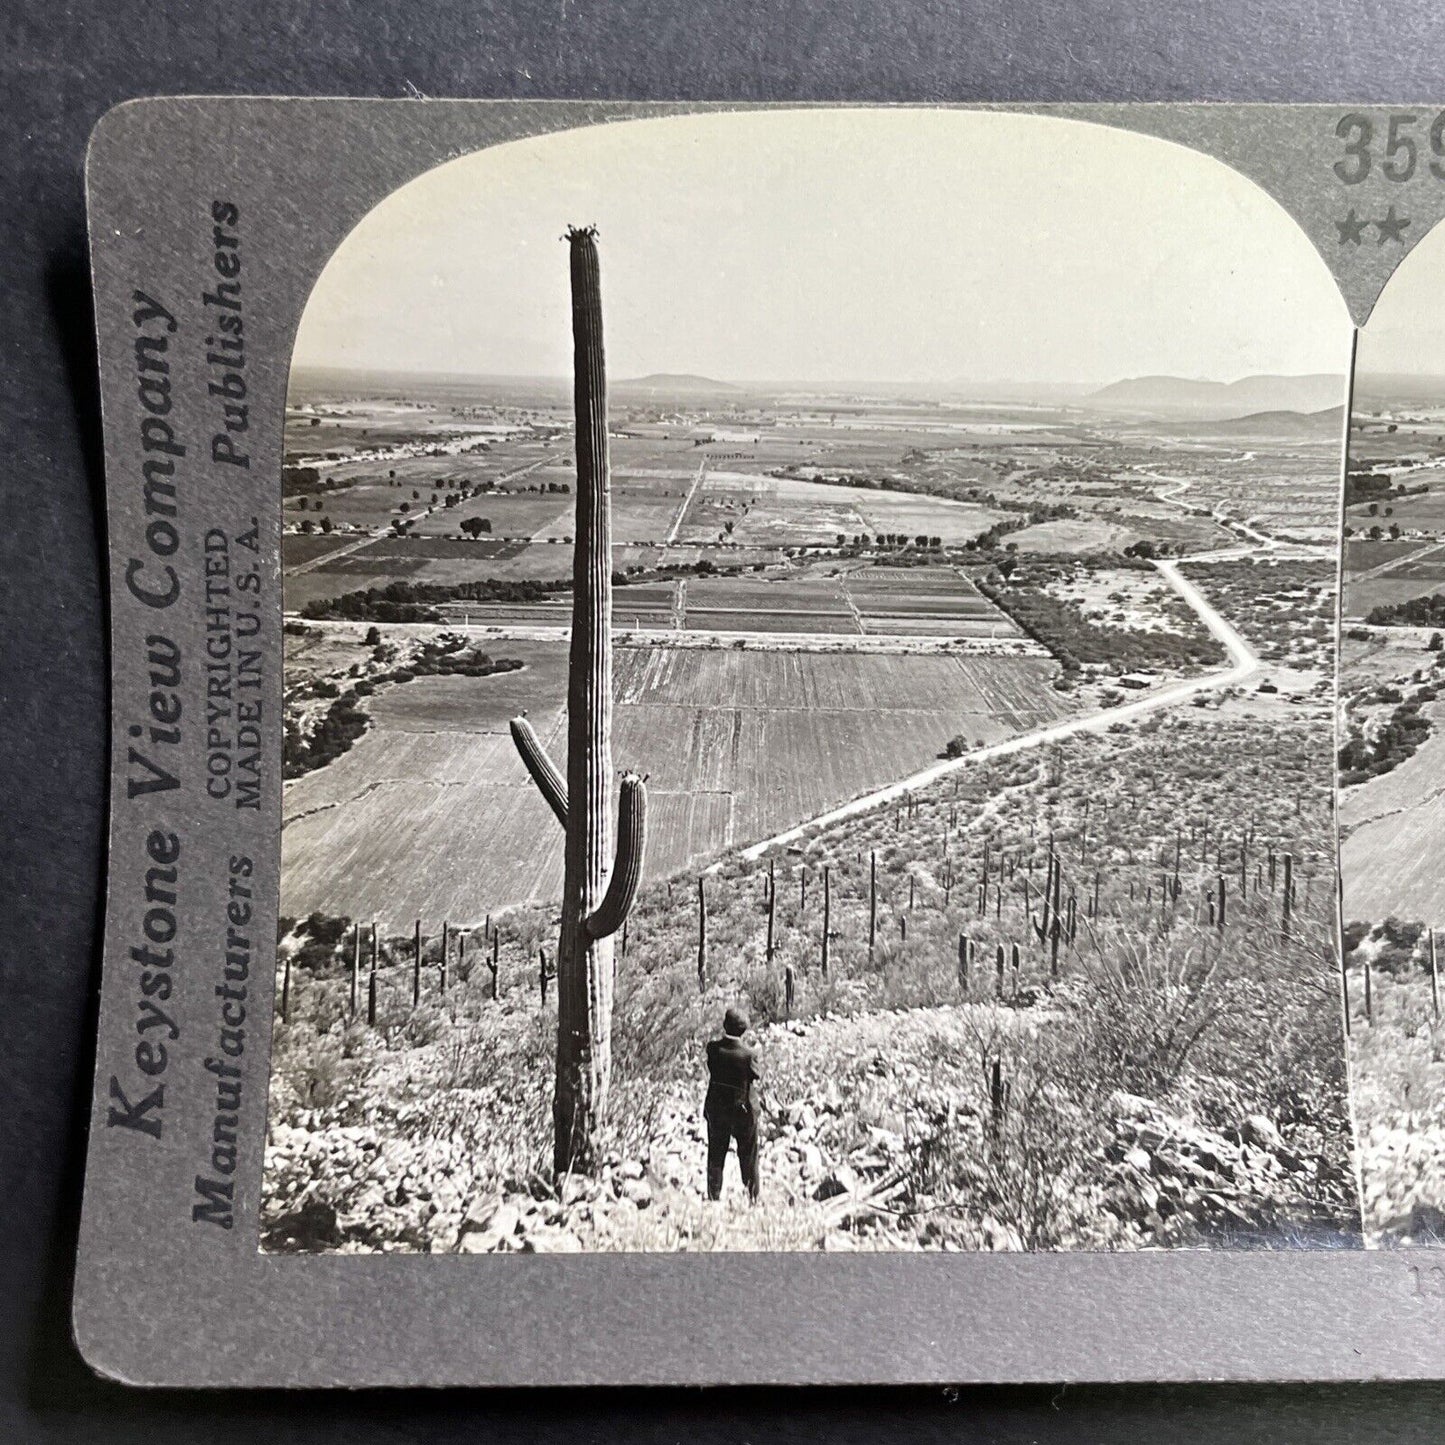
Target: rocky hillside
[1164,1066]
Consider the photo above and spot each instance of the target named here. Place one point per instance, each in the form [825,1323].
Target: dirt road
[1243,662]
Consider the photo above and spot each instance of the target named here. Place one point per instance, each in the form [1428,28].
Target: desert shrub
[317,1069]
[656,1022]
[469,1060]
[424,1025]
[1143,1005]
[339,727]
[1400,737]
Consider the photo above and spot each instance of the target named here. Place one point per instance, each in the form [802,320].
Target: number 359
[1397,150]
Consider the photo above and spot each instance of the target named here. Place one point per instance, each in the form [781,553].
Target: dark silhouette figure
[729,1108]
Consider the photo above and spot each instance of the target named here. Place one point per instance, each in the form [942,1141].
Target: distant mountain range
[1326,425]
[670,383]
[1401,390]
[1250,396]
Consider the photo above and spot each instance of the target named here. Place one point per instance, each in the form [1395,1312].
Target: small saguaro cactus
[599,883]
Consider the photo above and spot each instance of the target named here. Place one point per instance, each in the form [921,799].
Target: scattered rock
[886,1140]
[638,1191]
[1123,1105]
[310,1228]
[1260,1131]
[577,1187]
[841,1180]
[551,1241]
[491,1216]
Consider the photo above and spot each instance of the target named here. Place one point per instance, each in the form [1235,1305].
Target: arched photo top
[1402,346]
[940,247]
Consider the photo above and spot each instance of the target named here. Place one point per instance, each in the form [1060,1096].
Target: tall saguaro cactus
[598,884]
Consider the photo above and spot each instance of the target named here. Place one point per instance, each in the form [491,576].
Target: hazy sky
[834,245]
[1406,330]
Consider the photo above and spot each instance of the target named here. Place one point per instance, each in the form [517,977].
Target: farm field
[1393,833]
[700,619]
[1366,556]
[1422,513]
[1398,585]
[300,548]
[738,744]
[1092,535]
[788,511]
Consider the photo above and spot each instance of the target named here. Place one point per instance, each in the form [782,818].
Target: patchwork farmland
[738,745]
[796,607]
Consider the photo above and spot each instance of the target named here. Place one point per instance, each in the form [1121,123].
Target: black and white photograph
[1392,760]
[809,700]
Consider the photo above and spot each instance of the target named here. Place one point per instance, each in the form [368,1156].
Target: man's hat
[735,1022]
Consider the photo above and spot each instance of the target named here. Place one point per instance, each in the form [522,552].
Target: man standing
[729,1106]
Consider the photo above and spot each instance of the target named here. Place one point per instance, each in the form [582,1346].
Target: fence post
[772,908]
[701,935]
[1288,903]
[827,914]
[872,901]
[371,982]
[446,949]
[1369,994]
[286,988]
[355,964]
[416,965]
[1434,980]
[997,1103]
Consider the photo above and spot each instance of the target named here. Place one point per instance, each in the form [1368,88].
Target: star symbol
[1392,228]
[1351,228]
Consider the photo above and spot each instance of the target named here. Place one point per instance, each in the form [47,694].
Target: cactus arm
[545,774]
[610,914]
